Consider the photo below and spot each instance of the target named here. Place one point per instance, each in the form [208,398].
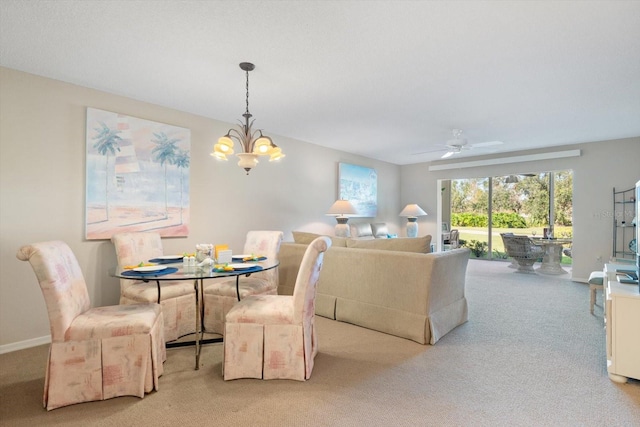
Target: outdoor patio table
[552,255]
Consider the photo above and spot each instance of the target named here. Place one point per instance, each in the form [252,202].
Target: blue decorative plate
[633,246]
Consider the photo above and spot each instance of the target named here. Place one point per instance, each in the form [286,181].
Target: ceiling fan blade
[435,150]
[448,154]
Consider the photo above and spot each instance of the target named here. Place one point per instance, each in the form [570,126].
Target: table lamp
[340,209]
[412,212]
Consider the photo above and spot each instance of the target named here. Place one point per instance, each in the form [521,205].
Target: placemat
[166,271]
[165,261]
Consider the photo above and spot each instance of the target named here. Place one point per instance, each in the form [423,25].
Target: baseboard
[8,348]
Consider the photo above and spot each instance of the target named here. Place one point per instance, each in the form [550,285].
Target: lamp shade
[342,208]
[412,211]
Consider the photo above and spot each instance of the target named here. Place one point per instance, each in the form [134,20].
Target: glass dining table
[173,272]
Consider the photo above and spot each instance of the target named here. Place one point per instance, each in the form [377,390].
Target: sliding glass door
[527,204]
[470,213]
[520,205]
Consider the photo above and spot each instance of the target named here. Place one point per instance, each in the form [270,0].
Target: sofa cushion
[380,230]
[306,238]
[401,244]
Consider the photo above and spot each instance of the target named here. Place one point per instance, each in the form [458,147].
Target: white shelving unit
[624,210]
[622,320]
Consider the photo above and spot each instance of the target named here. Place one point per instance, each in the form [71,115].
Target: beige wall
[42,191]
[42,174]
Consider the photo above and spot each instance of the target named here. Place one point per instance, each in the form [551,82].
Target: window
[482,208]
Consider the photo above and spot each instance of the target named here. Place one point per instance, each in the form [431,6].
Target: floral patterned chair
[221,295]
[274,336]
[177,298]
[95,353]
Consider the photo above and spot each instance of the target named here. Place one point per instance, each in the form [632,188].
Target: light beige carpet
[530,355]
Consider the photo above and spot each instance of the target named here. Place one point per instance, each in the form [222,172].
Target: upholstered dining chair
[274,336]
[220,295]
[95,353]
[177,298]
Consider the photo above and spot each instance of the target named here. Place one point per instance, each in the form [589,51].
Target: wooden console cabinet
[622,325]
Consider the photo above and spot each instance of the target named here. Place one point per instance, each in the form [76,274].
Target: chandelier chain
[247,86]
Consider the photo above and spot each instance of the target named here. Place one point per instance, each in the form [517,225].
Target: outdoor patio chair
[523,251]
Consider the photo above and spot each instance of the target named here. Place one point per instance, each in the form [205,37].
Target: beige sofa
[389,285]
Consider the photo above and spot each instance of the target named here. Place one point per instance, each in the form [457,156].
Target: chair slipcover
[177,298]
[274,336]
[221,295]
[95,353]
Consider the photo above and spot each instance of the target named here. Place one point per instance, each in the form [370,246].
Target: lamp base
[342,228]
[412,227]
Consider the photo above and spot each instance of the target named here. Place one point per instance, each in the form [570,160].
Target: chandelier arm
[237,137]
[253,138]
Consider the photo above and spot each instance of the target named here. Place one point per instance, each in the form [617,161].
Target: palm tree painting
[106,143]
[137,176]
[182,162]
[165,154]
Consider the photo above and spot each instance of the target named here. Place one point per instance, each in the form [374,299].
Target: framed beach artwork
[359,185]
[137,176]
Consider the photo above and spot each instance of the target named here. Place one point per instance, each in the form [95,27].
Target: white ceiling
[382,79]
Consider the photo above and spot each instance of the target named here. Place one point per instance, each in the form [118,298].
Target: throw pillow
[361,230]
[401,244]
[380,230]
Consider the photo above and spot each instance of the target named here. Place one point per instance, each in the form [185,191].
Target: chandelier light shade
[252,143]
[341,209]
[412,212]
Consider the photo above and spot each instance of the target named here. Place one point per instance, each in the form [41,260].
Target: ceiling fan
[459,144]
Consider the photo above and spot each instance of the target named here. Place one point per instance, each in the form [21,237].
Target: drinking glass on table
[533,232]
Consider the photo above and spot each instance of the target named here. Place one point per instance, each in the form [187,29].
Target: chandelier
[253,143]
